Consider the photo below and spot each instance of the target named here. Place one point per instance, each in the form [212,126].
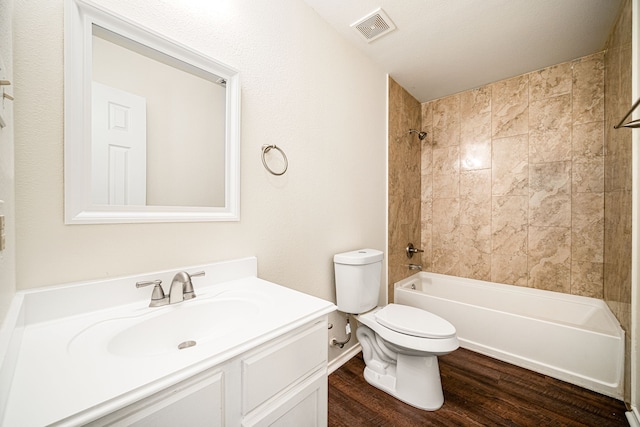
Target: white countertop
[65,373]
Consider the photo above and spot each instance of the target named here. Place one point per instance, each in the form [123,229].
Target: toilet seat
[442,345]
[414,321]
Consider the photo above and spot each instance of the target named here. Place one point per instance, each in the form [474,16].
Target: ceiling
[441,47]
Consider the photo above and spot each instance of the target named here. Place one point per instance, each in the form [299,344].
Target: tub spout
[414,267]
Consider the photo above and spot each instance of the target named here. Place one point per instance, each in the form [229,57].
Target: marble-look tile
[617,173]
[588,176]
[475,251]
[475,154]
[475,129]
[617,241]
[550,129]
[446,186]
[617,147]
[509,225]
[446,216]
[446,257]
[446,121]
[512,179]
[587,279]
[475,199]
[550,194]
[550,81]
[476,185]
[510,107]
[588,141]
[446,236]
[549,259]
[622,311]
[622,31]
[426,232]
[427,113]
[612,83]
[587,227]
[478,236]
[426,160]
[446,160]
[476,213]
[426,186]
[404,159]
[474,103]
[510,166]
[588,89]
[509,269]
[626,68]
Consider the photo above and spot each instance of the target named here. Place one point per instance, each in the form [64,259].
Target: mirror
[151,126]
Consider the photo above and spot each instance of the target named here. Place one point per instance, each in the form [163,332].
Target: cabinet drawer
[285,362]
[195,402]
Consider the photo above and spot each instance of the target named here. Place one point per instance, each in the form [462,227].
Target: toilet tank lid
[358,257]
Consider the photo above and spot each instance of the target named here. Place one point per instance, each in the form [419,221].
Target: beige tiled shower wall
[404,182]
[513,180]
[617,192]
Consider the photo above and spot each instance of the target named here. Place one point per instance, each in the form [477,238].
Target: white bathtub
[572,338]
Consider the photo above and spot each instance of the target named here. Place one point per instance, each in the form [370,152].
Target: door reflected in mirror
[158,127]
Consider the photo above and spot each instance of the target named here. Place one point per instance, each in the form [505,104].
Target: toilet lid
[414,321]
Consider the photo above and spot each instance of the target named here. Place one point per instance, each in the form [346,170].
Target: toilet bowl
[400,344]
[402,364]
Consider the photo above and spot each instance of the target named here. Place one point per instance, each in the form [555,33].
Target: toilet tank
[357,276]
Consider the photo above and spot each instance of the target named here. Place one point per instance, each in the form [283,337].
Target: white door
[119,147]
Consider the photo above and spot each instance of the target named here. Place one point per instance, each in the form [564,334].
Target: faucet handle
[188,287]
[410,250]
[157,296]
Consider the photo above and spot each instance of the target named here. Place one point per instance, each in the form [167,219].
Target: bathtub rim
[615,329]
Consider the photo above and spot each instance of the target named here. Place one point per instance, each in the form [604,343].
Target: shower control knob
[410,249]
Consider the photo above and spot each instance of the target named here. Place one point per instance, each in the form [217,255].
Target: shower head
[421,135]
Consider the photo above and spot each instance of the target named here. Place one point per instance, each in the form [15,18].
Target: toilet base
[416,381]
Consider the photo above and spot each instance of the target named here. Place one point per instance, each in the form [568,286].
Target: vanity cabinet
[282,382]
[196,402]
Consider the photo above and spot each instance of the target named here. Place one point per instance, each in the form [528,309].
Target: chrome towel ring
[265,150]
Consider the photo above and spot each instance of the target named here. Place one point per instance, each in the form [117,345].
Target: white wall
[303,88]
[7,200]
[7,193]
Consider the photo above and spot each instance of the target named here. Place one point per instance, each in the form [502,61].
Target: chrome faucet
[181,289]
[157,296]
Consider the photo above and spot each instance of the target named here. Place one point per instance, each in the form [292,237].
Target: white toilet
[400,344]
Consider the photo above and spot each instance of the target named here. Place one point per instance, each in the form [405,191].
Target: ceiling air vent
[374,25]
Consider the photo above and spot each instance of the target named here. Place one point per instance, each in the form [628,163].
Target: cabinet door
[282,364]
[195,402]
[306,405]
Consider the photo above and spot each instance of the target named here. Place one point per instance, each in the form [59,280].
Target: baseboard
[633,417]
[344,358]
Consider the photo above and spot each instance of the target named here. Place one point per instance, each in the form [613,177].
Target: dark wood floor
[478,391]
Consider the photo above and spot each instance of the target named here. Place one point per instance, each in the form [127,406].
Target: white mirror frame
[80,15]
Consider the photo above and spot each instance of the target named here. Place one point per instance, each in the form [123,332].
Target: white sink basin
[81,351]
[172,328]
